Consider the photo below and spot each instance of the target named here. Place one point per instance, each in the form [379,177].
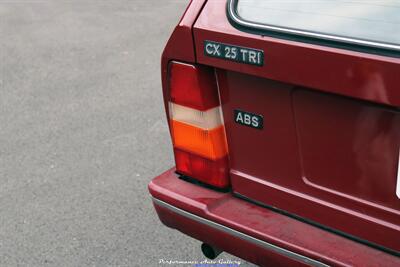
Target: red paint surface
[321,156]
[349,148]
[258,222]
[330,158]
[366,76]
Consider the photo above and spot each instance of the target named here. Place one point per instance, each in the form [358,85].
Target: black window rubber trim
[341,42]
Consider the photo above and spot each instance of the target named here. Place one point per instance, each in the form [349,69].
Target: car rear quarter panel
[180,45]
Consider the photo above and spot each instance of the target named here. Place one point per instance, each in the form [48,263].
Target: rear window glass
[375,21]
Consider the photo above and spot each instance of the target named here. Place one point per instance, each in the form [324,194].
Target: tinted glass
[377,21]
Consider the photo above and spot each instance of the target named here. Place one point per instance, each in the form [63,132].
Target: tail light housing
[197,128]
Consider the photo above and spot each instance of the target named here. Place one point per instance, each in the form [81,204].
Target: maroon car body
[317,185]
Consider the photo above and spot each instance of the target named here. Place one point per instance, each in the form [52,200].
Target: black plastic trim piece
[196,182]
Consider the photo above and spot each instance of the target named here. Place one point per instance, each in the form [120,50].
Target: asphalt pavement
[82,132]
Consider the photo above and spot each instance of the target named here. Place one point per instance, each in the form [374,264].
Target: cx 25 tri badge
[235,53]
[248,119]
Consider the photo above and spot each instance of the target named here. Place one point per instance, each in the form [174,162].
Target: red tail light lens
[197,128]
[193,86]
[212,172]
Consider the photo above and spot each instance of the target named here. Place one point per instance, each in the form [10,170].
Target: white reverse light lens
[208,119]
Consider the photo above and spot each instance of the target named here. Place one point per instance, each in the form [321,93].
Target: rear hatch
[328,150]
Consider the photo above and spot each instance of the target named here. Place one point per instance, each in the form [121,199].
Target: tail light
[198,132]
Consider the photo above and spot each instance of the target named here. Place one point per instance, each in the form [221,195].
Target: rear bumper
[254,233]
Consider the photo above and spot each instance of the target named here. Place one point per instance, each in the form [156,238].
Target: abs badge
[249,119]
[235,53]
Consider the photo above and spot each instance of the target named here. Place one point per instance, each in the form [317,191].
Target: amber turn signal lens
[210,144]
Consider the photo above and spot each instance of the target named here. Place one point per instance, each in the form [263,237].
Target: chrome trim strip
[237,19]
[240,235]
